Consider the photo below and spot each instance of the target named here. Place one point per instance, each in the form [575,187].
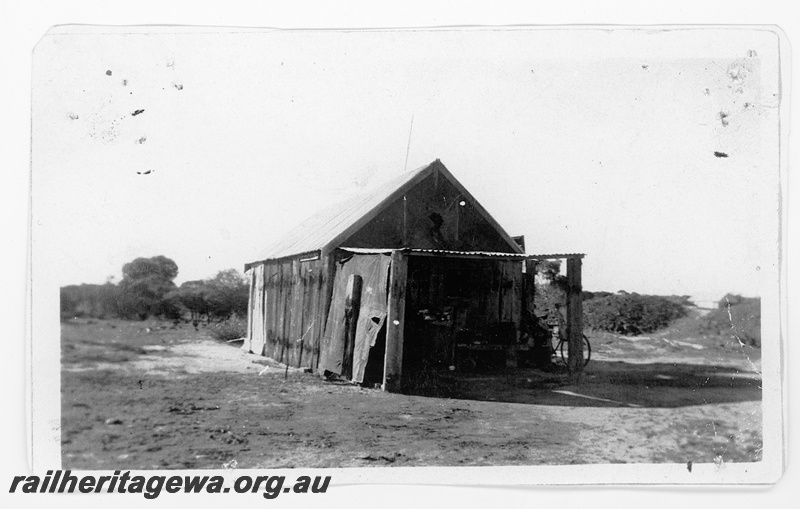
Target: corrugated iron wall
[288,310]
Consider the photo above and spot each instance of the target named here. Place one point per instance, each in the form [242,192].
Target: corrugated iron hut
[409,275]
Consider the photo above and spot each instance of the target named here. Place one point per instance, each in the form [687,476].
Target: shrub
[737,316]
[232,328]
[89,300]
[631,313]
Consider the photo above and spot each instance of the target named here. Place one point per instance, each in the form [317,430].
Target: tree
[548,269]
[194,296]
[145,284]
[229,295]
[224,295]
[96,301]
[551,288]
[159,267]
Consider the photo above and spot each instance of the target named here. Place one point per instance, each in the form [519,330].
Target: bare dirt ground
[150,395]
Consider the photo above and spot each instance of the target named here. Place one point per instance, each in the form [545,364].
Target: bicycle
[562,348]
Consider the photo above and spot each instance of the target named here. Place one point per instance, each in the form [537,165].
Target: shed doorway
[462,312]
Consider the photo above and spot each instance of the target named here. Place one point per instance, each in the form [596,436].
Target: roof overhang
[304,257]
[442,253]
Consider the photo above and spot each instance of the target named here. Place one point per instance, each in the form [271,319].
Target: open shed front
[402,310]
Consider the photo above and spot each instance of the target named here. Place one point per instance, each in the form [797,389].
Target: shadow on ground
[604,384]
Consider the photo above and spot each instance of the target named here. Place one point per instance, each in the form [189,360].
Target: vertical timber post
[507,310]
[352,306]
[250,302]
[263,325]
[574,319]
[405,222]
[395,322]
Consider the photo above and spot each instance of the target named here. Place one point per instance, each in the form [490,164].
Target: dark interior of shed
[455,316]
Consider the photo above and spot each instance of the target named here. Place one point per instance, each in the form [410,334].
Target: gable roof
[332,225]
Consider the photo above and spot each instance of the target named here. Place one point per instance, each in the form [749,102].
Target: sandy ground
[149,395]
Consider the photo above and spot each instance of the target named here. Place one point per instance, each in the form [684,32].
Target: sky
[654,152]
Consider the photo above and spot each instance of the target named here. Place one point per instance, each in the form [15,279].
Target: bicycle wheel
[563,347]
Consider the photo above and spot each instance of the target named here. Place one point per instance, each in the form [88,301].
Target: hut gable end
[426,208]
[433,214]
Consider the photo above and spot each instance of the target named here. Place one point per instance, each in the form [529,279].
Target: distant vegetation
[218,298]
[736,316]
[621,312]
[96,301]
[631,313]
[147,290]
